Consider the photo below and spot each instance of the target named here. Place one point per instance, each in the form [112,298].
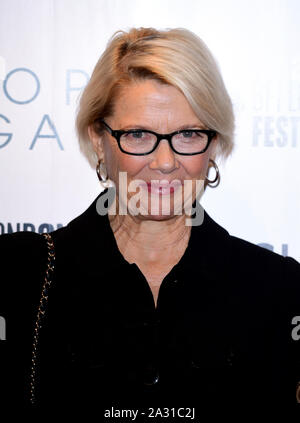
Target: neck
[150,242]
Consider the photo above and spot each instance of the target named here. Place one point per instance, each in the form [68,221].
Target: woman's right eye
[136,134]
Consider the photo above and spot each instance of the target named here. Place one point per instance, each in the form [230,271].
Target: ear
[96,141]
[213,147]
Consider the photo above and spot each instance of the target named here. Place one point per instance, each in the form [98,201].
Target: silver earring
[217,178]
[102,175]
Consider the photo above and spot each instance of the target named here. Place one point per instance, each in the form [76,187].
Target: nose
[164,158]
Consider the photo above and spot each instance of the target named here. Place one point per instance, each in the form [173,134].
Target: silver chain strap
[40,314]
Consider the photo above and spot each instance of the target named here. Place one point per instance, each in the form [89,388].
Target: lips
[163,187]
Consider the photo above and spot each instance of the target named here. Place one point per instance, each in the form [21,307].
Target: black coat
[221,333]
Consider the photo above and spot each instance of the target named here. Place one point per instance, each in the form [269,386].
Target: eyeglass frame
[117,133]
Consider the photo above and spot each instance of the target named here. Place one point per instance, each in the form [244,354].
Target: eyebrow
[148,128]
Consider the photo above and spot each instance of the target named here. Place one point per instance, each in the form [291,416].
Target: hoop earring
[102,175]
[217,178]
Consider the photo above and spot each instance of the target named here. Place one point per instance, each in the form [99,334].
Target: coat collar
[90,242]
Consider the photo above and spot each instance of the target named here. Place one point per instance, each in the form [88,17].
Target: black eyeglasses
[140,142]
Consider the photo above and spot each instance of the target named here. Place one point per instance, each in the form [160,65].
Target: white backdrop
[48,49]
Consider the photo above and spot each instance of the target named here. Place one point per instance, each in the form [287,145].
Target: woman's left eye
[188,134]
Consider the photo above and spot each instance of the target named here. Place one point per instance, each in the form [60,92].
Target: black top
[221,332]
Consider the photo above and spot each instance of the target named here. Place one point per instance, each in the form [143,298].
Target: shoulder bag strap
[41,313]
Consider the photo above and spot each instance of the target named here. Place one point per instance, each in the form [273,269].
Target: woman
[151,303]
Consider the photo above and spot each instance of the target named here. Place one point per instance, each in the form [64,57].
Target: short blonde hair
[176,57]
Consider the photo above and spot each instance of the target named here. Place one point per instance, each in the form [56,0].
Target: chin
[159,217]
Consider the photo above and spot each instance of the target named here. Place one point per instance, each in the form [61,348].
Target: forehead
[151,102]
